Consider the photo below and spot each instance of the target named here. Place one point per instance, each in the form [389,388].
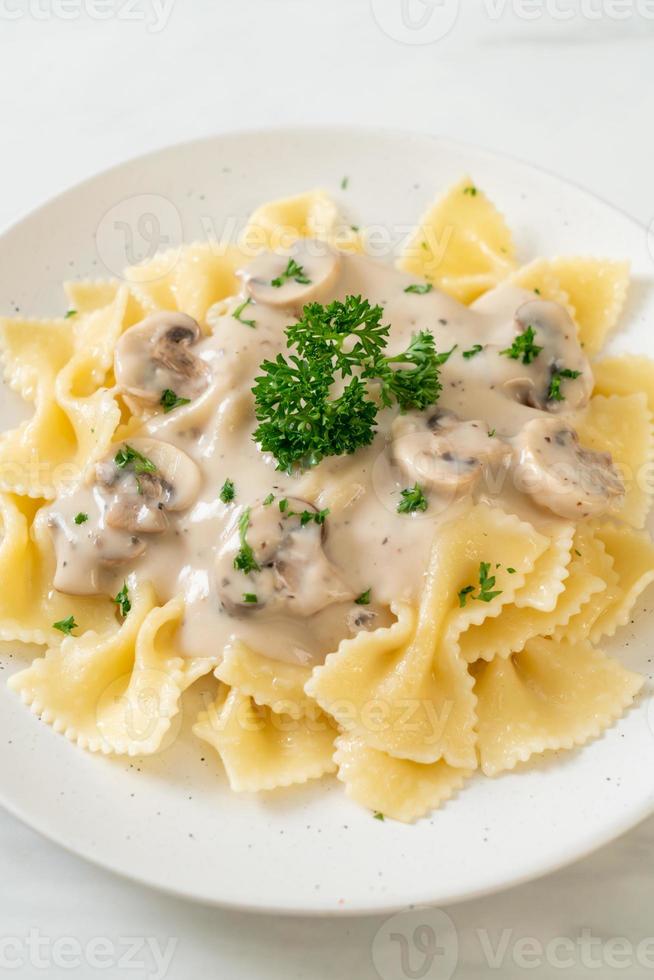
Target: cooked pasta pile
[403,714]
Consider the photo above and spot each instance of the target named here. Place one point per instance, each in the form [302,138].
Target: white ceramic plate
[170,821]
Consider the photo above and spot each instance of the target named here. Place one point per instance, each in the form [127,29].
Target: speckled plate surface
[170,821]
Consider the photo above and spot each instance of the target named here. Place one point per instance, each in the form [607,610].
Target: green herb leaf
[122,601]
[464,593]
[378,815]
[419,288]
[344,182]
[486,583]
[227,491]
[523,347]
[473,350]
[250,597]
[306,516]
[412,499]
[239,310]
[66,626]
[292,271]
[128,456]
[169,400]
[554,393]
[299,421]
[471,191]
[364,598]
[70,313]
[81,518]
[245,560]
[269,499]
[511,571]
[491,433]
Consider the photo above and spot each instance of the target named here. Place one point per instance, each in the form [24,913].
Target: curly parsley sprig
[300,420]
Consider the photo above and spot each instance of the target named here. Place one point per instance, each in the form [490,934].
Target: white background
[565,85]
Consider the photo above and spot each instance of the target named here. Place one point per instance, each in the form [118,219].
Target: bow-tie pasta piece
[396,788]
[622,426]
[277,224]
[517,624]
[29,606]
[597,290]
[270,682]
[261,749]
[538,278]
[462,244]
[633,563]
[113,692]
[624,374]
[61,367]
[405,690]
[550,696]
[89,295]
[190,279]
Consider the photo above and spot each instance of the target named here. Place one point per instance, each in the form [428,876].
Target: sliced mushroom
[306,273]
[155,356]
[560,361]
[441,452]
[554,469]
[139,494]
[294,575]
[83,550]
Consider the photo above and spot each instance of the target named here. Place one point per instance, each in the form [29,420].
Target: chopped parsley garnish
[471,190]
[364,598]
[122,601]
[250,597]
[81,518]
[269,499]
[66,626]
[511,571]
[577,552]
[378,815]
[412,499]
[491,433]
[292,271]
[523,347]
[317,516]
[486,583]
[299,421]
[239,310]
[127,456]
[283,505]
[554,394]
[70,313]
[344,182]
[419,287]
[227,491]
[537,290]
[473,350]
[169,400]
[245,560]
[464,593]
[354,228]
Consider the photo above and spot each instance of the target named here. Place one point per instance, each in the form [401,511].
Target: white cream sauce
[367,544]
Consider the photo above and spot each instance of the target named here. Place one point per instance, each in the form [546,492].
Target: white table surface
[567,89]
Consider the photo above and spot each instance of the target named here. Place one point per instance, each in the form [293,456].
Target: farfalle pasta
[387,511]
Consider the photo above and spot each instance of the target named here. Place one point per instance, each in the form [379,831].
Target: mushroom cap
[155,355]
[319,267]
[561,475]
[556,333]
[442,452]
[295,576]
[137,501]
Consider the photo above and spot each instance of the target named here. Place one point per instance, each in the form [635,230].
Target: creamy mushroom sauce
[365,543]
